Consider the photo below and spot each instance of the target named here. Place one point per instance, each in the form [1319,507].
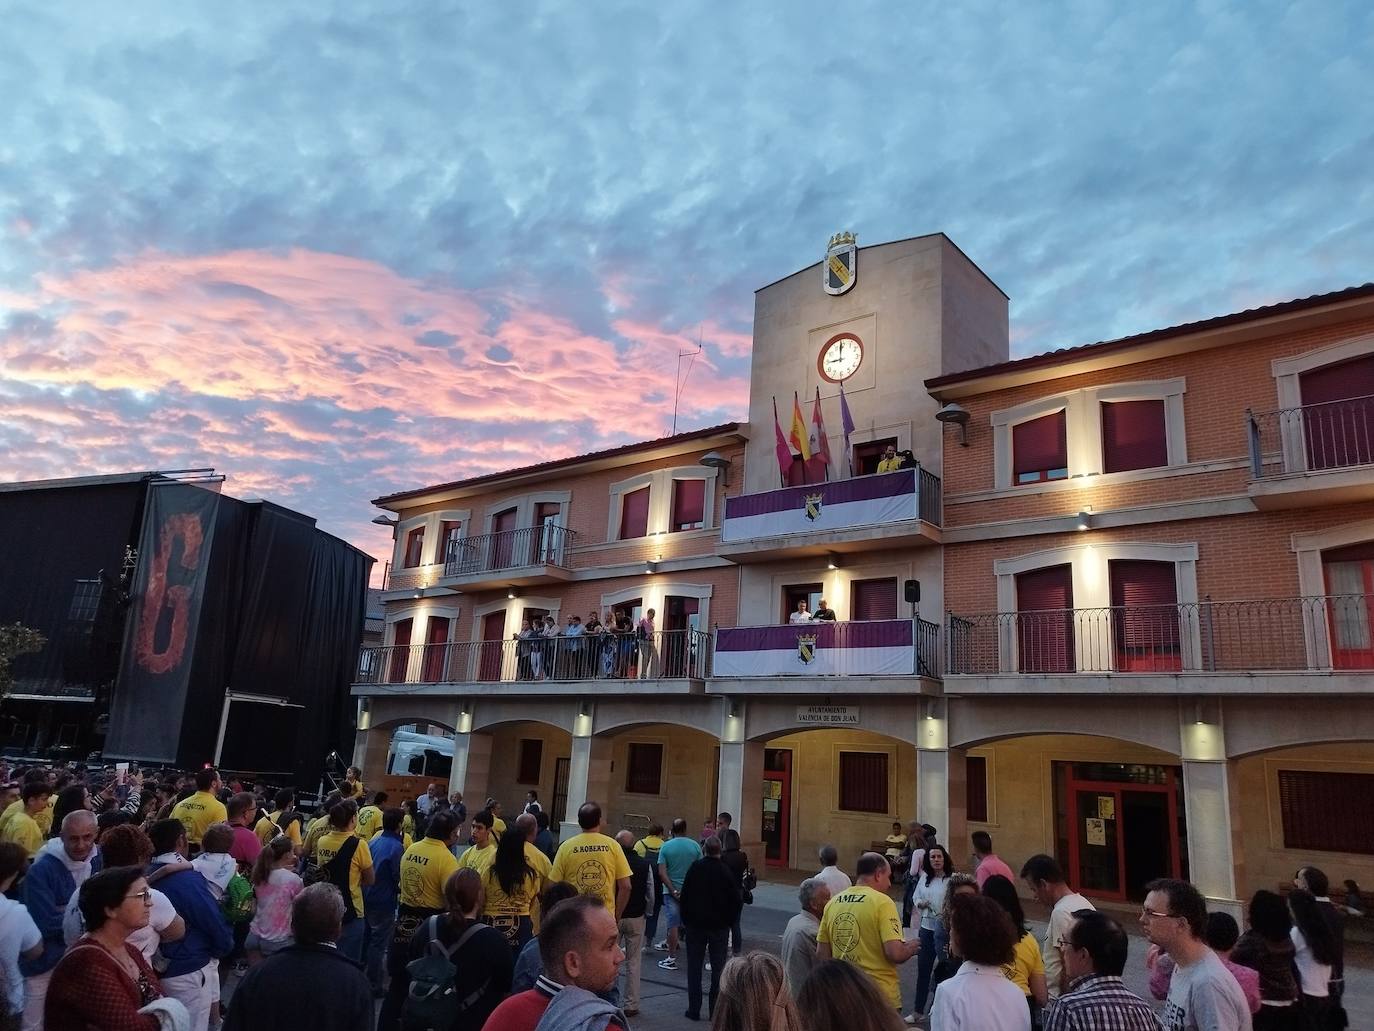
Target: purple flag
[847,425]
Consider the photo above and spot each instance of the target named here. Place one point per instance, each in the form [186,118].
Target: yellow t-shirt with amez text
[592,863]
[426,867]
[856,924]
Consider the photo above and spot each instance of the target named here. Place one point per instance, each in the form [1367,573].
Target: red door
[502,549]
[777,806]
[436,649]
[493,645]
[1350,590]
[1044,613]
[400,652]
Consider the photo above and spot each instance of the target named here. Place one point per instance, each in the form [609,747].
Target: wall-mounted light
[650,567]
[957,415]
[832,562]
[1085,519]
[419,592]
[364,713]
[1197,713]
[464,719]
[512,593]
[382,520]
[715,460]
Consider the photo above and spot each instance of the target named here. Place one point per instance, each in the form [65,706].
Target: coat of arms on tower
[841,265]
[813,505]
[806,648]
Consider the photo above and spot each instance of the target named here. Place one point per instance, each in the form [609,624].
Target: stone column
[471,768]
[941,787]
[589,778]
[1207,806]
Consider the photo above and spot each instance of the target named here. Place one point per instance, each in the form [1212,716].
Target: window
[863,782]
[1133,436]
[634,514]
[644,769]
[793,593]
[873,599]
[531,761]
[1040,449]
[1044,607]
[1338,413]
[415,548]
[400,651]
[867,456]
[976,775]
[689,505]
[1145,616]
[1349,577]
[450,531]
[436,650]
[1327,812]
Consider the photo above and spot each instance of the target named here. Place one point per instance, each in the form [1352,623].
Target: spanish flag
[798,437]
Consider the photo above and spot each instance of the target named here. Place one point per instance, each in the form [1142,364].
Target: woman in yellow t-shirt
[512,888]
[1027,968]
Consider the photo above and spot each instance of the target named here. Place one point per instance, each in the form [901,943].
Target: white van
[420,755]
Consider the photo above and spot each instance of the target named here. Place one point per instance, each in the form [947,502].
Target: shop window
[689,505]
[531,761]
[415,548]
[1145,616]
[1045,620]
[644,769]
[1327,812]
[634,514]
[1040,449]
[873,599]
[863,782]
[1133,436]
[976,775]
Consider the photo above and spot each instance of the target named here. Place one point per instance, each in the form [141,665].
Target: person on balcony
[524,652]
[625,642]
[803,614]
[824,613]
[573,647]
[550,646]
[891,461]
[648,646]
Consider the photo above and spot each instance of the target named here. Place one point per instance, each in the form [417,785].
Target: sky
[339,249]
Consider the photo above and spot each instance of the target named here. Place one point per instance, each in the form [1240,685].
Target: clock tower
[880,321]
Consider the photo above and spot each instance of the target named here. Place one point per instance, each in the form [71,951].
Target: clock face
[840,358]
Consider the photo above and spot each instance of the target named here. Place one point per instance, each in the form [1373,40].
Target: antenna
[680,380]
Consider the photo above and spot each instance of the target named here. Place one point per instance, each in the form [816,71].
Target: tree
[15,640]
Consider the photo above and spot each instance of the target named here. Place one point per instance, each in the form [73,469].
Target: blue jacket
[48,887]
[385,892]
[208,934]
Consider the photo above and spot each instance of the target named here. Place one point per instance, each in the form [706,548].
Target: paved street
[664,993]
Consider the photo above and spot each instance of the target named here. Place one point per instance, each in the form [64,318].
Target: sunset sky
[337,250]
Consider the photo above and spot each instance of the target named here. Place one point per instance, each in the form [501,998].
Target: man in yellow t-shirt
[343,820]
[483,849]
[201,809]
[279,820]
[861,926]
[890,463]
[22,828]
[370,817]
[594,863]
[427,865]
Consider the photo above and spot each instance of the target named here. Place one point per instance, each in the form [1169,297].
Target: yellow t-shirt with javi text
[592,863]
[856,924]
[197,813]
[426,867]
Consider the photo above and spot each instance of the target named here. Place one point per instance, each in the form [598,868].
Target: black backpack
[336,873]
[432,1002]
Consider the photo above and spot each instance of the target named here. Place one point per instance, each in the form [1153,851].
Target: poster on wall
[1097,831]
[1106,807]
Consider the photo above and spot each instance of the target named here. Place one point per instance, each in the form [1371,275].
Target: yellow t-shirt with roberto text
[369,822]
[197,813]
[592,863]
[23,829]
[328,847]
[426,867]
[856,924]
[1025,961]
[478,859]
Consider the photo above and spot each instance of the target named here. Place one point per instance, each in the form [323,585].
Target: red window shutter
[873,599]
[1040,449]
[415,546]
[1327,812]
[1338,413]
[644,768]
[1145,602]
[976,776]
[1044,603]
[863,782]
[634,514]
[689,504]
[1339,382]
[400,652]
[531,760]
[1133,436]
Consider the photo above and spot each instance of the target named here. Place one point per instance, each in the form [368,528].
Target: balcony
[1315,454]
[879,656]
[675,662]
[866,513]
[509,558]
[1316,644]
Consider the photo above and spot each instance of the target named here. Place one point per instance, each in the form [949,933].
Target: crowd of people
[127,905]
[611,645]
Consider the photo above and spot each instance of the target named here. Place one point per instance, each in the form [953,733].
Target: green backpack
[433,1003]
[239,903]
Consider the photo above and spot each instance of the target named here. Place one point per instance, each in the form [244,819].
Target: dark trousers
[699,943]
[925,963]
[736,939]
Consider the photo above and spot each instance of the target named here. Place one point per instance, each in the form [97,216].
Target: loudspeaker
[913,591]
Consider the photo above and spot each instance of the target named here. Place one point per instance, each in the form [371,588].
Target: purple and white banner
[880,646]
[838,505]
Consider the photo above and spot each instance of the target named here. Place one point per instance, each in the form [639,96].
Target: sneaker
[708,966]
[661,946]
[911,1019]
[667,964]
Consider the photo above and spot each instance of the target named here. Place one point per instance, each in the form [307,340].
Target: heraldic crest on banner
[840,268]
[813,505]
[806,648]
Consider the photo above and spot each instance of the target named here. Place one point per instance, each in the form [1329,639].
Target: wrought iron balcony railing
[1335,632]
[1331,435]
[546,545]
[665,654]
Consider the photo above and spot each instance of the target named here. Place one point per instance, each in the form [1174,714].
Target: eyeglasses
[146,895]
[1150,914]
[1064,943]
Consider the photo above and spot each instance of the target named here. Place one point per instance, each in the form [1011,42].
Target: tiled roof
[1064,354]
[562,463]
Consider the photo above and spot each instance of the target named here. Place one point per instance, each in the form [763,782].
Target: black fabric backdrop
[52,538]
